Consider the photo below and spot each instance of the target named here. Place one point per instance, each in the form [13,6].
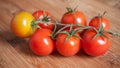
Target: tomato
[40,14]
[74,17]
[41,42]
[21,24]
[94,47]
[96,23]
[67,47]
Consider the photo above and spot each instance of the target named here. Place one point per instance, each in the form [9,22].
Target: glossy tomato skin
[104,21]
[46,26]
[94,47]
[74,18]
[21,24]
[69,47]
[41,42]
[39,14]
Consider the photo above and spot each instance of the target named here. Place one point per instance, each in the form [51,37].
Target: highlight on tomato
[41,43]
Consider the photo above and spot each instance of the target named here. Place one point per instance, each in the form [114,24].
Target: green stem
[54,34]
[69,10]
[71,28]
[112,33]
[55,27]
[104,13]
[83,27]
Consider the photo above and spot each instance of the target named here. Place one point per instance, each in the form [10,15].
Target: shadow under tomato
[55,53]
[82,54]
[7,35]
[21,45]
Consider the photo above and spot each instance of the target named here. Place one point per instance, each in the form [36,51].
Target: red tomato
[95,23]
[40,14]
[41,43]
[75,17]
[94,47]
[69,47]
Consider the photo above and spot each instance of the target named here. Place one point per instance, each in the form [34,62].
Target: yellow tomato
[21,24]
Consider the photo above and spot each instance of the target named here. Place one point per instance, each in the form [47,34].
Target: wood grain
[10,58]
[111,3]
[15,52]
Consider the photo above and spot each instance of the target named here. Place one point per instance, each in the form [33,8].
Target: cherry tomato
[67,47]
[21,24]
[41,42]
[74,17]
[40,14]
[95,22]
[94,47]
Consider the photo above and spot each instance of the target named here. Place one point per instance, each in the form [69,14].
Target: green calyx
[100,32]
[70,10]
[34,24]
[70,33]
[46,19]
[102,15]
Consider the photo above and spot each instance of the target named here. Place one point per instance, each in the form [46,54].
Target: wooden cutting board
[15,53]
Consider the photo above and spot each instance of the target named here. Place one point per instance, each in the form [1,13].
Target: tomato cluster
[74,34]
